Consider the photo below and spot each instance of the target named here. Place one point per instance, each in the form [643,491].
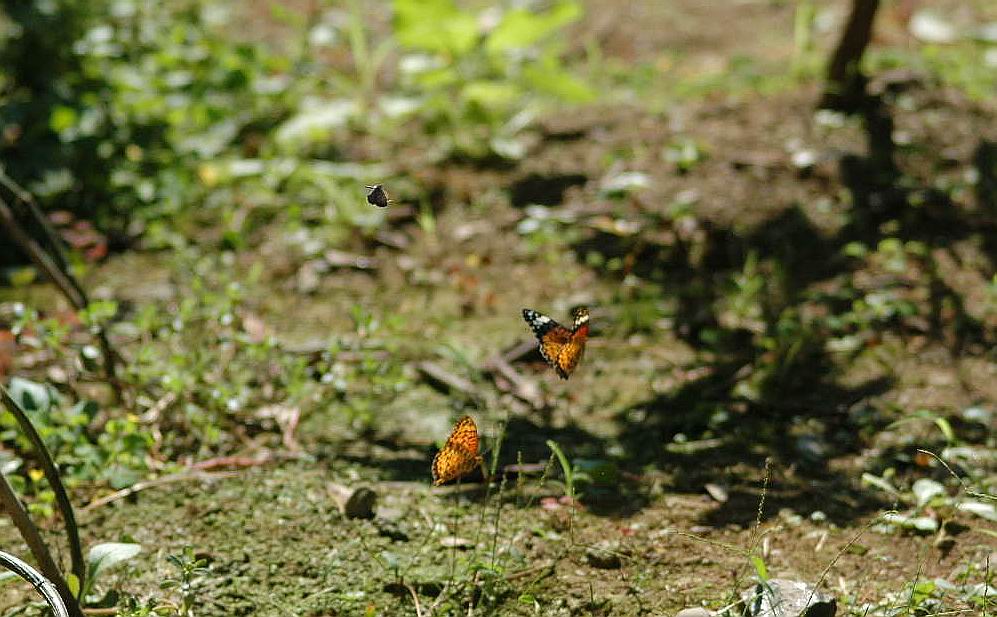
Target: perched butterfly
[377,196]
[560,347]
[459,455]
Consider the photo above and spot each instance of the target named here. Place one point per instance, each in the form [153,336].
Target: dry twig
[170,479]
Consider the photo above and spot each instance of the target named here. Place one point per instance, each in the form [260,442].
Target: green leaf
[62,118]
[6,577]
[520,28]
[925,490]
[108,554]
[491,95]
[551,79]
[22,277]
[434,25]
[760,569]
[73,582]
[946,429]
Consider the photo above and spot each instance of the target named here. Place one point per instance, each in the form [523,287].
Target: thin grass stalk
[55,481]
[17,513]
[41,584]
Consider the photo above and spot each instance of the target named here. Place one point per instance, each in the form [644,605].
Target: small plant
[190,571]
[472,73]
[100,559]
[685,154]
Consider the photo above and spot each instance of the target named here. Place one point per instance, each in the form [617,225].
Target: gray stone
[785,598]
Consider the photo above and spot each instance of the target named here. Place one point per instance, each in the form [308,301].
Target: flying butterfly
[459,455]
[377,196]
[560,347]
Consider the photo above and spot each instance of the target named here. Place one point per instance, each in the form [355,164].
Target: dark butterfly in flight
[377,196]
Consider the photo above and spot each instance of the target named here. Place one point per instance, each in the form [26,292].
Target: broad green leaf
[520,28]
[434,25]
[925,490]
[760,569]
[550,78]
[108,554]
[491,95]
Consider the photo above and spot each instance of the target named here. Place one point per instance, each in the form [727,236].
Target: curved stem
[66,283]
[10,503]
[41,584]
[55,481]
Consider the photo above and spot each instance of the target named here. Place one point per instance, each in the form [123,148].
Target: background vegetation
[794,309]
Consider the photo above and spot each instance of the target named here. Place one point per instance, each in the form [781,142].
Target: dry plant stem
[64,281]
[842,551]
[141,486]
[55,481]
[41,584]
[546,570]
[17,513]
[415,598]
[969,491]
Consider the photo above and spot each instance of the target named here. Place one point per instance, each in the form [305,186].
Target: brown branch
[55,482]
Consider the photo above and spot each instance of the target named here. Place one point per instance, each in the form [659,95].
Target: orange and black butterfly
[560,347]
[377,196]
[459,455]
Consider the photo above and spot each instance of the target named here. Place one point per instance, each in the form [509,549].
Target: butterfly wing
[553,337]
[459,454]
[571,353]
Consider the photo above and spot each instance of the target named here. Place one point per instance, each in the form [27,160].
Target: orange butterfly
[560,347]
[459,455]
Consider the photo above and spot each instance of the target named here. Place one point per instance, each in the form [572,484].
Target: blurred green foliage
[148,110]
